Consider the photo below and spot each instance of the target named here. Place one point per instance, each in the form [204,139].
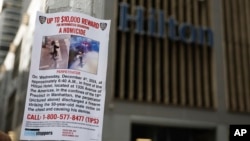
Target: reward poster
[66,88]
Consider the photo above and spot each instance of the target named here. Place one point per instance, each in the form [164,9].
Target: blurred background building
[178,69]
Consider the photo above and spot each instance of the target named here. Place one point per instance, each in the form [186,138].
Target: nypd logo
[42,19]
[103,26]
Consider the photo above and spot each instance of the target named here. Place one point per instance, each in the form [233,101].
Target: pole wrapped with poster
[66,88]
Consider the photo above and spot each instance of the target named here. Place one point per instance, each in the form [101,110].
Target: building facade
[178,70]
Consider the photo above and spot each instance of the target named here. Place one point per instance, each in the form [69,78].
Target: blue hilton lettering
[157,24]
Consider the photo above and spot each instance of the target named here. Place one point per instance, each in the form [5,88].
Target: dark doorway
[141,132]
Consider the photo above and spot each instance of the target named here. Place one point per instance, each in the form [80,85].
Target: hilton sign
[157,23]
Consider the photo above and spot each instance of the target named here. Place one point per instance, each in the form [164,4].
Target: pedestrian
[80,56]
[4,136]
[55,47]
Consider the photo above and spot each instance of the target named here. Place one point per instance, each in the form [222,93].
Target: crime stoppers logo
[36,132]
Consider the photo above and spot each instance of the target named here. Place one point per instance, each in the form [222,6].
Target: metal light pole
[93,8]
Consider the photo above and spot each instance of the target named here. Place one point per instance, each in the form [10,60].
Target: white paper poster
[66,88]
